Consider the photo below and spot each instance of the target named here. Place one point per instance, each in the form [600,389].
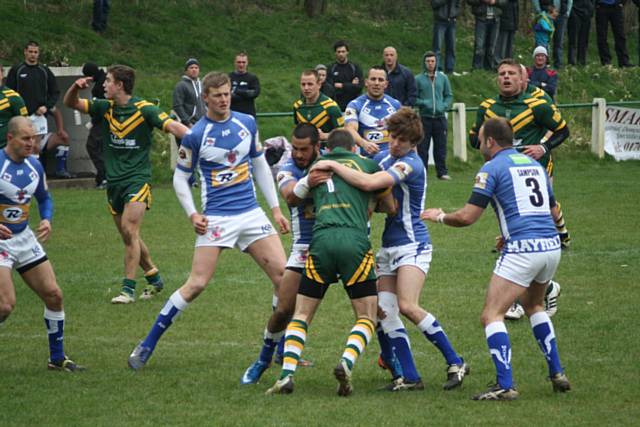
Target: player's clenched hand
[534,151]
[381,313]
[84,82]
[283,223]
[371,147]
[44,230]
[431,214]
[5,233]
[317,177]
[499,243]
[200,223]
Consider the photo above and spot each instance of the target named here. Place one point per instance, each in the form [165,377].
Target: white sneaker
[123,298]
[551,298]
[515,312]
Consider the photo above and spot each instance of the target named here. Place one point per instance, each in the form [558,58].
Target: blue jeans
[558,38]
[445,31]
[486,38]
[436,128]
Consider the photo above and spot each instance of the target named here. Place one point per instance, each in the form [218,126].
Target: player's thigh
[42,280]
[500,295]
[387,284]
[132,215]
[7,290]
[534,296]
[269,254]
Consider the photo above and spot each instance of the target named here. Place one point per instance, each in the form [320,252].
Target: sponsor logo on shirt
[481,180]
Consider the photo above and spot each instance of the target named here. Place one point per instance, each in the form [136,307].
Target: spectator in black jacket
[611,11]
[245,86]
[345,76]
[578,30]
[508,29]
[445,13]
[402,84]
[487,28]
[38,87]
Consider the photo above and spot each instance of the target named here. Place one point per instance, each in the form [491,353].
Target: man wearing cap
[94,140]
[187,96]
[540,74]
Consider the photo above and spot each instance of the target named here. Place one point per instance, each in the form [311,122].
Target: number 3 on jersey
[531,192]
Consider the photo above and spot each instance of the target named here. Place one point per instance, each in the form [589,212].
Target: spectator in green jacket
[434,99]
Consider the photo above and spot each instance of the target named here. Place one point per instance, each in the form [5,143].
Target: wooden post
[459,124]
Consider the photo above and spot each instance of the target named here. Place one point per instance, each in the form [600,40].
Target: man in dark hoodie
[346,76]
[94,140]
[187,96]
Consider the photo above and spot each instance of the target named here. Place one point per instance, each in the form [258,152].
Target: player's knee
[531,309]
[409,309]
[6,307]
[53,297]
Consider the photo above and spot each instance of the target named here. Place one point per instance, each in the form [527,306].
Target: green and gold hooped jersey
[127,132]
[11,105]
[530,118]
[337,203]
[324,114]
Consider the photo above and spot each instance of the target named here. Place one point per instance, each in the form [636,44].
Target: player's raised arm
[71,98]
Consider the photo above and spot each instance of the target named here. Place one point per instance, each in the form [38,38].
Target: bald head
[390,57]
[17,123]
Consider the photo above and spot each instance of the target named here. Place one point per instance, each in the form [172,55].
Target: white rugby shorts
[238,231]
[388,260]
[526,267]
[20,250]
[298,257]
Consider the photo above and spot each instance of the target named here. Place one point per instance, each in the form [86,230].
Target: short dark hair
[340,43]
[214,79]
[406,125]
[31,43]
[340,138]
[429,54]
[311,73]
[379,68]
[307,130]
[124,74]
[500,130]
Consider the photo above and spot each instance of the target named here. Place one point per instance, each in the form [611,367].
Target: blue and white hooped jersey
[521,197]
[302,215]
[410,190]
[19,183]
[371,116]
[222,153]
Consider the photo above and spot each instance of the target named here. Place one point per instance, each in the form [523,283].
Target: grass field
[193,377]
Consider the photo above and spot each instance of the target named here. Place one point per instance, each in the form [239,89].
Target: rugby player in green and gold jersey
[538,127]
[128,122]
[315,107]
[11,105]
[339,249]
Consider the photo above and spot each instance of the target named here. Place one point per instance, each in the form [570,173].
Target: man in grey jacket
[187,96]
[434,99]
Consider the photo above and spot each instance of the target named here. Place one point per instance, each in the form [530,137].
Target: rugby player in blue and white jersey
[519,191]
[305,145]
[224,147]
[21,179]
[405,257]
[365,117]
